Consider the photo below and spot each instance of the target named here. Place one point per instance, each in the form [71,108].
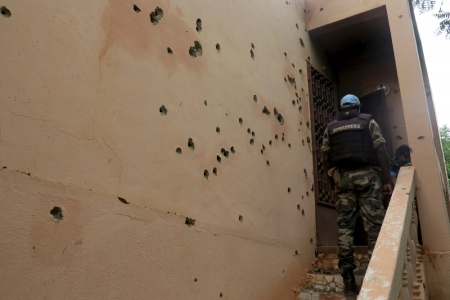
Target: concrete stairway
[324,282]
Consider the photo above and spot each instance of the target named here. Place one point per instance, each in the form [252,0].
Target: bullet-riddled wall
[155,150]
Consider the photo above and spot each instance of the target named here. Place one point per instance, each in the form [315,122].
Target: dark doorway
[323,109]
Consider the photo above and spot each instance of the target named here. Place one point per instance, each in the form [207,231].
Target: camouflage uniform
[358,191]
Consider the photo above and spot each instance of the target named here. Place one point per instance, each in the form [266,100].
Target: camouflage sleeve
[325,142]
[375,134]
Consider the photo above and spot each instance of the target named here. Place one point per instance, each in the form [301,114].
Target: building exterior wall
[82,125]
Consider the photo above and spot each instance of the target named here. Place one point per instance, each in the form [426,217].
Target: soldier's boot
[350,287]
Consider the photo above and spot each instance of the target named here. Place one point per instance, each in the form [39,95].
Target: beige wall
[82,83]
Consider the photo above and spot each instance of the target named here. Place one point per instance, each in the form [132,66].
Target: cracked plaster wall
[82,86]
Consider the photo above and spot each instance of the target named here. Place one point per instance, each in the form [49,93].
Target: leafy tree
[444,131]
[442,14]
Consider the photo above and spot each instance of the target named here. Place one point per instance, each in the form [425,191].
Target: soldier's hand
[387,189]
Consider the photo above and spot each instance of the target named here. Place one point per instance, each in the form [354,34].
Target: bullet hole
[289,190]
[302,43]
[199,25]
[56,213]
[291,80]
[179,151]
[300,109]
[298,100]
[253,133]
[296,94]
[215,171]
[307,124]
[196,50]
[6,13]
[221,295]
[278,116]
[285,79]
[226,154]
[218,47]
[252,54]
[307,194]
[255,98]
[276,136]
[312,188]
[303,142]
[398,137]
[163,110]
[303,212]
[321,9]
[136,9]
[249,130]
[217,129]
[123,200]
[283,271]
[295,87]
[265,111]
[289,145]
[263,147]
[205,102]
[311,241]
[300,71]
[395,127]
[401,16]
[293,65]
[241,121]
[156,15]
[252,141]
[302,197]
[268,163]
[309,58]
[420,137]
[306,173]
[270,142]
[296,253]
[232,149]
[195,280]
[206,174]
[34,247]
[191,143]
[253,46]
[241,218]
[219,159]
[296,25]
[285,54]
[298,207]
[301,124]
[262,151]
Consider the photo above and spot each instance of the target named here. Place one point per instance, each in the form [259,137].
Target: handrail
[395,270]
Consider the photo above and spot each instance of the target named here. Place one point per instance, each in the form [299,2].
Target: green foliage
[444,131]
[444,16]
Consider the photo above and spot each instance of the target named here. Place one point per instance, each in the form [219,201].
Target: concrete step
[305,295]
[329,282]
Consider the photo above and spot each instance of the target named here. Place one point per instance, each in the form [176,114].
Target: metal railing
[396,268]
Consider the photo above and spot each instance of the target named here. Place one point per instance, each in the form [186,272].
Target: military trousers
[358,191]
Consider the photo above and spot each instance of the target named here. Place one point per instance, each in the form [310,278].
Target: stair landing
[324,282]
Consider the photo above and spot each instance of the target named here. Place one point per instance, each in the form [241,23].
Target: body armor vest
[350,141]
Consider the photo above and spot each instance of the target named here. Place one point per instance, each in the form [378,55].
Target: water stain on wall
[136,35]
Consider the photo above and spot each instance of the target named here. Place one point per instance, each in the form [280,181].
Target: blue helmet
[350,100]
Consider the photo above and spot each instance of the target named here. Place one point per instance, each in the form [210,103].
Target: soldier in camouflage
[358,169]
